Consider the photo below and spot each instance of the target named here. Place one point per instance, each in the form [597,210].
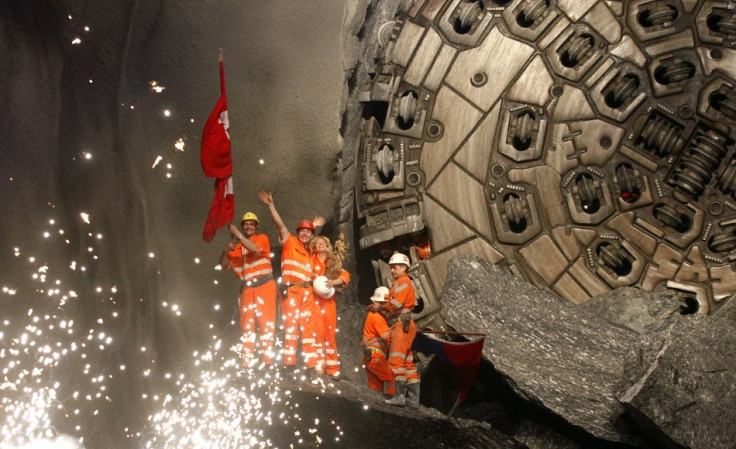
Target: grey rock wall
[680,385]
[549,351]
[627,367]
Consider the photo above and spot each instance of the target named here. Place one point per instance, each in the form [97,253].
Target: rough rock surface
[635,309]
[727,310]
[345,414]
[550,351]
[681,384]
[369,423]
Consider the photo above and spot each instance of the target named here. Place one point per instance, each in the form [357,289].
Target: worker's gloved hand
[406,325]
[367,354]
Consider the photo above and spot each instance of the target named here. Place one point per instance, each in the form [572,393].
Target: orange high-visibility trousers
[258,311]
[326,333]
[297,313]
[378,373]
[319,337]
[400,357]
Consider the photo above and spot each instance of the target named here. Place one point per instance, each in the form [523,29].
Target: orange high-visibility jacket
[375,332]
[320,269]
[250,266]
[401,299]
[296,261]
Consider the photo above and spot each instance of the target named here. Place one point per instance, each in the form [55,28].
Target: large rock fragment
[635,309]
[550,351]
[727,310]
[680,386]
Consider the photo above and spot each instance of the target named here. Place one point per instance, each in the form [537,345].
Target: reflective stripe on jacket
[375,332]
[296,261]
[320,269]
[401,299]
[248,265]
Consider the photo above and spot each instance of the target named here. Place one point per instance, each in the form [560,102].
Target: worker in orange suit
[376,346]
[249,256]
[329,266]
[397,312]
[423,248]
[297,300]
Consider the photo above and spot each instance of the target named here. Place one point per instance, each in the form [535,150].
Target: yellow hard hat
[250,216]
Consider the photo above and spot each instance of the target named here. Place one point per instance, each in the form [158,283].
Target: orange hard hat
[305,224]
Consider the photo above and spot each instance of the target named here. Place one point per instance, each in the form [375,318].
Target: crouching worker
[375,347]
[397,312]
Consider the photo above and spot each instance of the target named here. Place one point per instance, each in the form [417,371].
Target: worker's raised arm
[249,244]
[281,228]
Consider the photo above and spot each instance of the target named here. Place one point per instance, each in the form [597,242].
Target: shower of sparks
[179,145]
[60,365]
[83,155]
[48,378]
[155,163]
[156,87]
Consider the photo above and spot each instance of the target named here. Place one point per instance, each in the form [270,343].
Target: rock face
[680,386]
[551,352]
[635,309]
[728,310]
[368,423]
[346,415]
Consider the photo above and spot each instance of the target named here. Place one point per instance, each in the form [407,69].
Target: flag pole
[455,405]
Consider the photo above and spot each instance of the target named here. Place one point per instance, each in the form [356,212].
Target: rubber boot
[386,386]
[412,394]
[398,399]
[314,375]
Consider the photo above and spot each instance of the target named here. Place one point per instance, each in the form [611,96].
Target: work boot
[314,376]
[290,372]
[412,394]
[386,386]
[398,399]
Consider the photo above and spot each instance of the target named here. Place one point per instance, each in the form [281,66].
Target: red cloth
[222,208]
[217,162]
[464,357]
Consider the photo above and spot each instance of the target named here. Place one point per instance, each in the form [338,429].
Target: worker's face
[249,228]
[397,270]
[320,246]
[305,235]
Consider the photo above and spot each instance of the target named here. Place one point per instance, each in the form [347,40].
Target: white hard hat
[380,294]
[320,287]
[398,258]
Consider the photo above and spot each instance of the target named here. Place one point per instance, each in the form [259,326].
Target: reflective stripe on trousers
[297,309]
[326,328]
[400,357]
[258,318]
